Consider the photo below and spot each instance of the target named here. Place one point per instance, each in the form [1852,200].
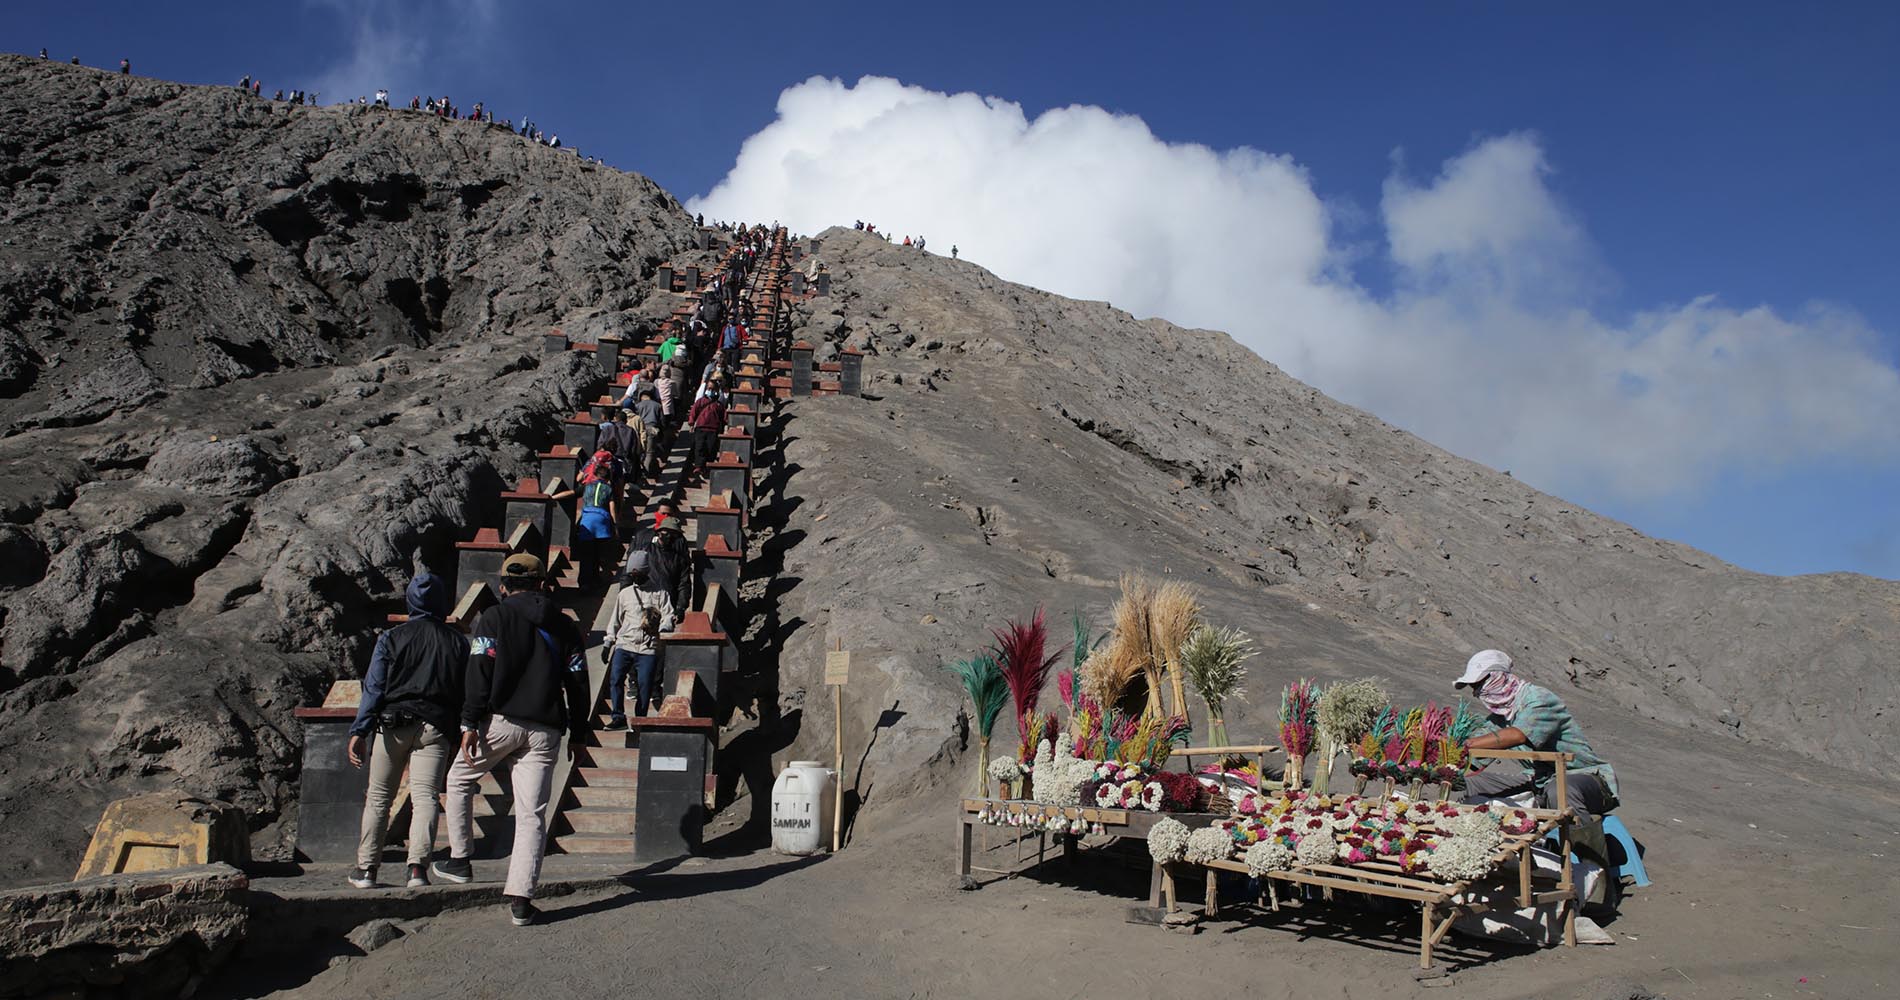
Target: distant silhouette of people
[42,54]
[75,60]
[953,251]
[125,67]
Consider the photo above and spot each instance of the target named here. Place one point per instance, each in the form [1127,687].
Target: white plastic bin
[802,808]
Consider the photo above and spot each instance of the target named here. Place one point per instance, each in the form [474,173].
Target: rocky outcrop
[256,362]
[155,934]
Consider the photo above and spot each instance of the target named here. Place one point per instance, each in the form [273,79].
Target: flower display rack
[1441,902]
[1119,823]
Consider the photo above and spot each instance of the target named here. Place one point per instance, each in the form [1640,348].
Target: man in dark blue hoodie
[412,696]
[527,689]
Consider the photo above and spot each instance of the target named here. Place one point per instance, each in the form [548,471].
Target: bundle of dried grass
[1214,660]
[1343,714]
[1111,669]
[1173,615]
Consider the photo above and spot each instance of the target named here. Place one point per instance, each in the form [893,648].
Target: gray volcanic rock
[1023,448]
[234,467]
[256,364]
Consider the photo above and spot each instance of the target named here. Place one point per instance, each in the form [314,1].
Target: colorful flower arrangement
[1304,828]
[1297,707]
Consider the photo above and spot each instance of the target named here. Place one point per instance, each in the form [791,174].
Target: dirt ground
[1774,909]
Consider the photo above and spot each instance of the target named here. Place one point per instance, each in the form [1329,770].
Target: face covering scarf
[1499,692]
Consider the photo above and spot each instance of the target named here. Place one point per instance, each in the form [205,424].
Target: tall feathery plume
[983,681]
[1019,651]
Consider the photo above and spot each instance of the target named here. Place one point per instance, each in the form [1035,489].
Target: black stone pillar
[801,369]
[850,373]
[330,791]
[670,798]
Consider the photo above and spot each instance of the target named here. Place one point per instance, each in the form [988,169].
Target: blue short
[597,523]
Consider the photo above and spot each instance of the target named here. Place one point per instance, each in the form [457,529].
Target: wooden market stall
[1441,902]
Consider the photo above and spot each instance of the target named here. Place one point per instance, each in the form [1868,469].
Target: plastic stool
[1614,829]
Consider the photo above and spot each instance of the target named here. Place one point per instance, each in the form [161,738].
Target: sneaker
[454,870]
[521,911]
[418,876]
[614,724]
[363,876]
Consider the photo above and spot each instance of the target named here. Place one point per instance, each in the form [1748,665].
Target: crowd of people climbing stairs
[449,708]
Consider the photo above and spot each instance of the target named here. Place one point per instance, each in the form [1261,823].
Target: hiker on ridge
[642,613]
[526,685]
[411,695]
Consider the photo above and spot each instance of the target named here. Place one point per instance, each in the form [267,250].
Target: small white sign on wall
[669,764]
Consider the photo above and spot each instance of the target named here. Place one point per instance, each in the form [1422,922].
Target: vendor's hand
[359,751]
[471,745]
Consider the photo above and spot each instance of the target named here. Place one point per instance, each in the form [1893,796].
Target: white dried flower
[1460,858]
[1268,856]
[1005,769]
[1316,849]
[1482,826]
[1209,843]
[1167,841]
[1059,776]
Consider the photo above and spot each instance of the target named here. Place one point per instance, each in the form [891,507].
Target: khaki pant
[529,749]
[425,749]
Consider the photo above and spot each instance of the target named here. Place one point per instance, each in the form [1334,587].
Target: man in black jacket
[669,557]
[412,695]
[527,684]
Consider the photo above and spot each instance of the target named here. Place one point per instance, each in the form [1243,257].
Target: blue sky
[1740,151]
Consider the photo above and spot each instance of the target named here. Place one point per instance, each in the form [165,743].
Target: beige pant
[425,750]
[529,749]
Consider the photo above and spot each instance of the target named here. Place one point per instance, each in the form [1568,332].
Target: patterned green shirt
[1549,726]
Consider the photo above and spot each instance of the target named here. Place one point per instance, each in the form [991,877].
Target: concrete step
[575,843]
[588,820]
[607,777]
[590,796]
[615,757]
[616,739]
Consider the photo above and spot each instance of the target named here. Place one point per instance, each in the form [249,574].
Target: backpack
[596,494]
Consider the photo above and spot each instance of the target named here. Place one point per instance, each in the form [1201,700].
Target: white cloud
[1489,345]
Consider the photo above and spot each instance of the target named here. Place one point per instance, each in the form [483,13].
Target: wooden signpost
[837,672]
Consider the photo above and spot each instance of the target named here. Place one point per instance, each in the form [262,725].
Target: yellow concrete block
[165,830]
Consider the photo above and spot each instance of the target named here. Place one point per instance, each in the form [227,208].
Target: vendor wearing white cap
[1526,716]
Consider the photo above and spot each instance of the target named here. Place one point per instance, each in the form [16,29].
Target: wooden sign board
[837,666]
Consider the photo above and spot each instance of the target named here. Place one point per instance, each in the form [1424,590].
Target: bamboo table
[1129,823]
[1436,898]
